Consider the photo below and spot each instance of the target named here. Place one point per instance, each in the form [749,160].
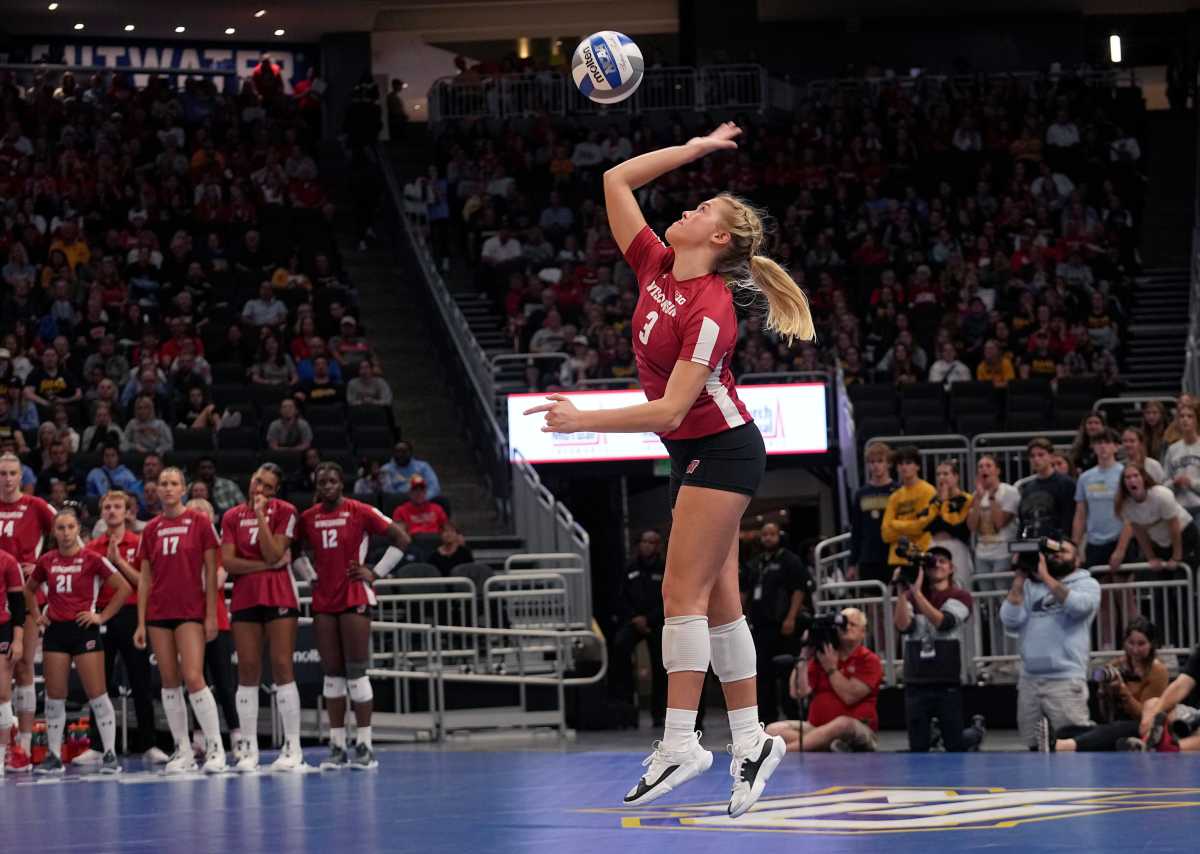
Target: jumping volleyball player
[73,576]
[337,532]
[685,332]
[177,609]
[256,542]
[25,522]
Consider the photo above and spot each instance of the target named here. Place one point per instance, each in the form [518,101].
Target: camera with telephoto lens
[916,560]
[826,630]
[1111,673]
[1185,725]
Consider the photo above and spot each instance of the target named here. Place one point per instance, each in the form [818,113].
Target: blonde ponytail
[743,267]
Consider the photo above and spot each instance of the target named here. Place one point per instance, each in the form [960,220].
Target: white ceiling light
[230,31]
[129,28]
[52,6]
[1114,48]
[180,29]
[280,32]
[260,13]
[79,26]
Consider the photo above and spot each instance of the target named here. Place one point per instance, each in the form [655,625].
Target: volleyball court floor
[543,795]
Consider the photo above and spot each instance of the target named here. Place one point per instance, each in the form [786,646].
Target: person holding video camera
[911,509]
[931,613]
[1050,607]
[841,677]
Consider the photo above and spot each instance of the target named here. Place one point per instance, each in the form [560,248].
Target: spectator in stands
[316,350]
[1154,425]
[110,474]
[60,470]
[304,479]
[266,310]
[777,588]
[200,413]
[114,365]
[1131,682]
[1163,529]
[10,428]
[321,390]
[932,615]
[843,685]
[996,366]
[289,432]
[452,551]
[1083,455]
[1096,528]
[1181,463]
[63,428]
[1133,444]
[50,383]
[640,617]
[949,527]
[397,474]
[992,517]
[1047,507]
[148,382]
[948,369]
[418,514]
[223,493]
[349,347]
[910,508]
[1052,613]
[146,432]
[368,388]
[369,485]
[868,552]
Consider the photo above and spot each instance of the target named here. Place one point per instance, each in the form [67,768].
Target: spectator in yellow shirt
[911,508]
[71,244]
[995,368]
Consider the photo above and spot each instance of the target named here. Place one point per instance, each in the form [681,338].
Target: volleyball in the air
[607,67]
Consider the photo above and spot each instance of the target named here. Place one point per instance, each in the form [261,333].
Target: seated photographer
[842,683]
[1167,724]
[1051,610]
[1124,687]
[932,613]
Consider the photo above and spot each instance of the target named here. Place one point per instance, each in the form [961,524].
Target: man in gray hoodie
[1052,614]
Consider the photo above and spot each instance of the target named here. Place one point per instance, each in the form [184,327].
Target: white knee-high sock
[56,722]
[176,711]
[106,721]
[288,698]
[205,707]
[247,709]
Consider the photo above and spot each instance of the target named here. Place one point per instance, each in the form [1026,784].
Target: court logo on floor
[856,810]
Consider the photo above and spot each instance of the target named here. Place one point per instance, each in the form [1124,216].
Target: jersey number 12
[329,538]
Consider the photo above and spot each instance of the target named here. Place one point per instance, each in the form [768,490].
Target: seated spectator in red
[418,514]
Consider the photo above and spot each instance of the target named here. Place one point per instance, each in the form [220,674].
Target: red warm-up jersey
[72,583]
[692,320]
[10,577]
[129,548]
[337,537]
[23,523]
[271,587]
[175,550]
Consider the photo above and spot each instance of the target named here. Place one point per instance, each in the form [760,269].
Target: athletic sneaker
[18,761]
[109,763]
[88,757]
[1131,743]
[667,770]
[214,760]
[363,758]
[336,760]
[182,761]
[1155,736]
[155,756]
[290,759]
[249,758]
[52,764]
[751,767]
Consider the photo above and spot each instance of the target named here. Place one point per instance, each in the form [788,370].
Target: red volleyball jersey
[336,538]
[693,320]
[23,524]
[129,548]
[175,550]
[72,583]
[272,587]
[10,577]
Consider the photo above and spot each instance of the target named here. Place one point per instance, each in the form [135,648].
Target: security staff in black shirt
[776,588]
[640,618]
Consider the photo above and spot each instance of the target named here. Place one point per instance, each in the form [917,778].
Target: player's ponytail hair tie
[748,271]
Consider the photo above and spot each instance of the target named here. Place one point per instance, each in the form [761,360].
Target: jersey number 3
[651,319]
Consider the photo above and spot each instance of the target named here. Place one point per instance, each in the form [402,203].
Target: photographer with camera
[911,509]
[1051,611]
[931,613]
[775,588]
[842,678]
[1166,723]
[1124,686]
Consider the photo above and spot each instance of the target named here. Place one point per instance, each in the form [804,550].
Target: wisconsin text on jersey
[842,810]
[664,302]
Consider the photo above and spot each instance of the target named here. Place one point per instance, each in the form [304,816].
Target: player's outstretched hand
[721,139]
[561,415]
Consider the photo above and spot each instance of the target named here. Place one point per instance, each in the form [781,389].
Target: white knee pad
[360,690]
[6,717]
[335,687]
[733,655]
[685,644]
[24,699]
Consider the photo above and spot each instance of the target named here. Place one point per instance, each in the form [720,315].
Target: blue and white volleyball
[607,67]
